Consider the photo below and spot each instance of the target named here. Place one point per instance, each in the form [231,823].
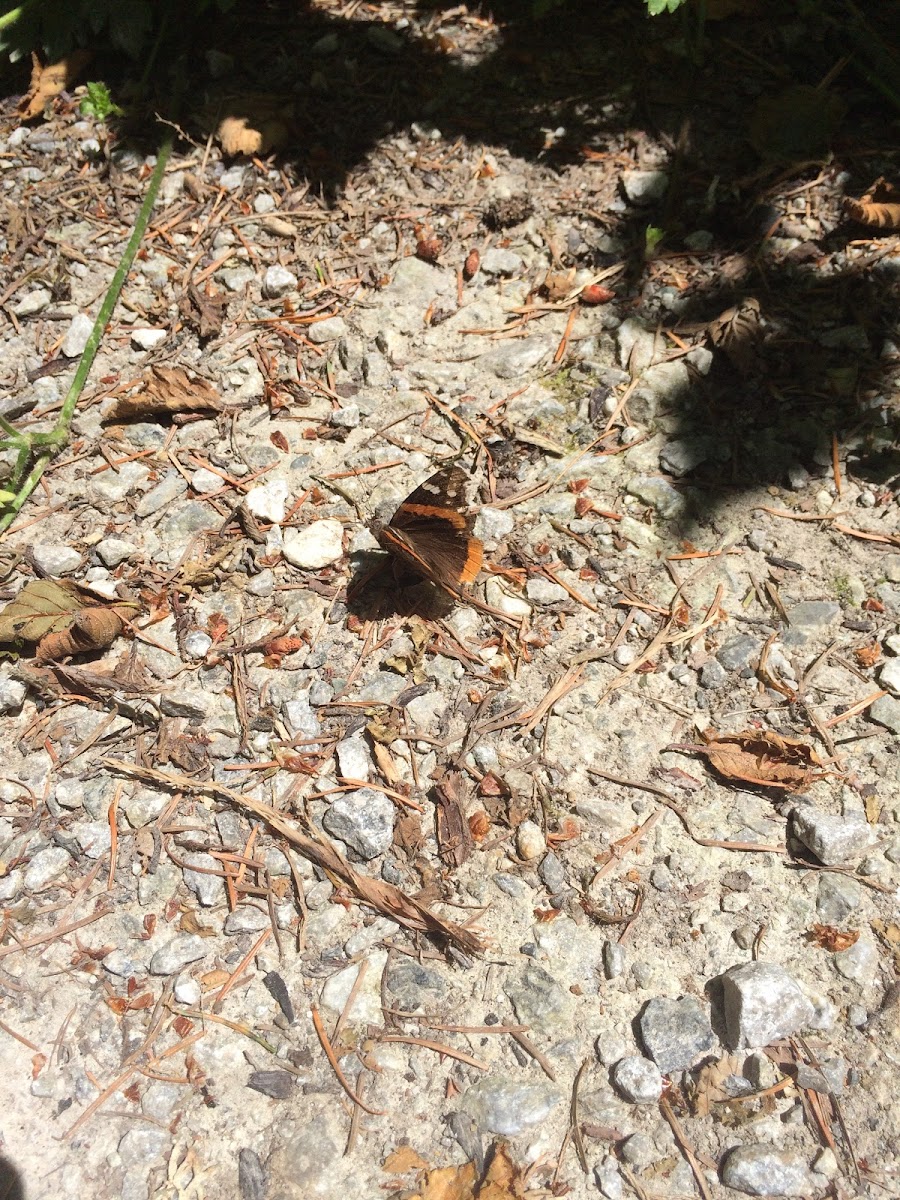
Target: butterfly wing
[431,535]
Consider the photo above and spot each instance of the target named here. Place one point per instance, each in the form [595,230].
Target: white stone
[763,1002]
[77,335]
[530,841]
[147,339]
[353,758]
[315,546]
[33,302]
[499,597]
[268,501]
[889,676]
[112,551]
[366,1007]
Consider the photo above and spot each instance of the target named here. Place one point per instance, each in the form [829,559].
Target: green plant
[652,237]
[98,103]
[655,7]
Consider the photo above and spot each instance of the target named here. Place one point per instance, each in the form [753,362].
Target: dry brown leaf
[503,1180]
[402,1160]
[880,206]
[763,757]
[204,310]
[558,284]
[454,837]
[255,124]
[62,618]
[831,939]
[47,82]
[167,391]
[709,1088]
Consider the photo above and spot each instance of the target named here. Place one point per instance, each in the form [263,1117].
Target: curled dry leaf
[254,124]
[429,249]
[166,391]
[62,618]
[763,757]
[595,293]
[880,207]
[502,1180]
[47,82]
[832,939]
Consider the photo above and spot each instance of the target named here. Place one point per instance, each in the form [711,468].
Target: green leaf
[652,237]
[655,7]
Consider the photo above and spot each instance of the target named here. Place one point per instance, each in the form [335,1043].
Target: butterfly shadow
[381,588]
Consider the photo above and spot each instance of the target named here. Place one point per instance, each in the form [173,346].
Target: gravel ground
[302,870]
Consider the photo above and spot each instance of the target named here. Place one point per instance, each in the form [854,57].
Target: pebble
[112,550]
[739,652]
[713,675]
[661,496]
[530,841]
[300,718]
[45,866]
[762,1002]
[514,358]
[253,1183]
[366,1007]
[858,962]
[761,1170]
[268,501]
[545,591]
[144,1147]
[188,991]
[539,1000]
[637,345]
[889,676]
[493,524]
[346,417]
[681,456]
[835,841]
[838,896]
[197,644]
[184,948]
[278,281]
[614,960]
[12,693]
[315,546]
[190,702]
[638,1080]
[33,303]
[886,711]
[498,261]
[608,1179]
[77,335]
[166,492]
[329,330]
[508,1106]
[645,187]
[413,986]
[364,819]
[147,339]
[207,888]
[117,962]
[277,1085]
[353,758]
[93,837]
[507,602]
[676,1032]
[552,873]
[55,560]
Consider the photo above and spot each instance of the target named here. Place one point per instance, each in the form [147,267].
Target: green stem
[59,435]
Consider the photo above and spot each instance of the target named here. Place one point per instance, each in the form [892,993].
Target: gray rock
[814,616]
[77,335]
[253,1180]
[364,819]
[191,702]
[232,180]
[498,261]
[614,959]
[197,644]
[414,987]
[676,1032]
[144,807]
[301,1168]
[645,187]
[492,524]
[761,1170]
[761,541]
[637,1079]
[159,1100]
[889,676]
[858,962]
[112,551]
[886,711]
[347,417]
[681,456]
[12,692]
[45,866]
[838,896]
[246,919]
[166,492]
[608,1178]
[713,675]
[300,718]
[55,560]
[538,999]
[10,885]
[268,501]
[762,1002]
[415,283]
[93,837]
[638,1151]
[637,345]
[117,962]
[278,281]
[835,841]
[33,303]
[553,873]
[515,358]
[328,330]
[739,652]
[509,1106]
[545,591]
[184,948]
[659,494]
[144,1148]
[207,887]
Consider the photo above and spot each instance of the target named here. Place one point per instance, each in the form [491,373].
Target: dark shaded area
[380,588]
[603,80]
[12,1186]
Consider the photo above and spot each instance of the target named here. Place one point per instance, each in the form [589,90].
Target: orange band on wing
[457,520]
[474,558]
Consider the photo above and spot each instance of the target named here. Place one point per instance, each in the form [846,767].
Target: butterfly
[430,534]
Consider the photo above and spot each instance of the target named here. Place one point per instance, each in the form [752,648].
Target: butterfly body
[430,534]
